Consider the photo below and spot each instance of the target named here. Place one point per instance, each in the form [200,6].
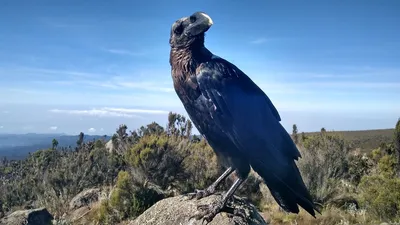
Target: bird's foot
[198,194]
[208,212]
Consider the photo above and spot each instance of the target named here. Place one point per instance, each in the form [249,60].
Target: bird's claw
[232,212]
[198,194]
[208,212]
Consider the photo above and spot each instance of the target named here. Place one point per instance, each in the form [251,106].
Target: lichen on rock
[179,210]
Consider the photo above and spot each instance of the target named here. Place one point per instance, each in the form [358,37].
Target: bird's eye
[192,19]
[178,29]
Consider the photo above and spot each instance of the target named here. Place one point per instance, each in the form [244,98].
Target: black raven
[236,117]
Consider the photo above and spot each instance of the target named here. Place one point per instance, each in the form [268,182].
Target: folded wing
[248,117]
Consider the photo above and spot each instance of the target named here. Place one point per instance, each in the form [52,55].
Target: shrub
[131,200]
[381,196]
[359,166]
[323,164]
[387,166]
[157,157]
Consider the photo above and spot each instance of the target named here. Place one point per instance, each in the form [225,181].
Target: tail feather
[288,191]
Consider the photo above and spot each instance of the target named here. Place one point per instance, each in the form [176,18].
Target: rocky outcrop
[38,216]
[85,198]
[178,210]
[83,203]
[109,146]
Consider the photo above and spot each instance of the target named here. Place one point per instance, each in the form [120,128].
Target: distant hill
[17,146]
[367,140]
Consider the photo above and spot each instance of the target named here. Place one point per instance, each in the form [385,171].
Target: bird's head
[188,31]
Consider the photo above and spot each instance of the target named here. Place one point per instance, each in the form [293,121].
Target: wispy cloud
[144,111]
[53,128]
[94,112]
[1,127]
[259,41]
[92,130]
[110,112]
[123,52]
[351,84]
[125,83]
[120,98]
[150,86]
[60,72]
[96,80]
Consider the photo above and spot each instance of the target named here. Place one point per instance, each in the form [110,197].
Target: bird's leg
[211,210]
[198,194]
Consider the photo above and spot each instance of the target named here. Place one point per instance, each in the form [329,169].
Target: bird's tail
[289,191]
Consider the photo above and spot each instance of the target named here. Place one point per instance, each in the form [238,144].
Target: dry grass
[330,216]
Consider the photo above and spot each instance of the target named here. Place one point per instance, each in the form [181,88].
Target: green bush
[323,165]
[380,196]
[387,166]
[105,214]
[131,200]
[359,166]
[158,158]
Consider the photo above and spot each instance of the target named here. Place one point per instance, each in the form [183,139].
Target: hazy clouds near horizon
[28,118]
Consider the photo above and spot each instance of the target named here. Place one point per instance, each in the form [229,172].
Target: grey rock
[178,210]
[38,216]
[85,198]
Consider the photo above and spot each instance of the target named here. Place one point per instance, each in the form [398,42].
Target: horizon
[111,134]
[91,66]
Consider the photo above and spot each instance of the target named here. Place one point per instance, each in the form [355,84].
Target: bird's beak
[202,23]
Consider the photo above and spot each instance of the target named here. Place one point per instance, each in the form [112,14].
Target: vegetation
[365,140]
[350,182]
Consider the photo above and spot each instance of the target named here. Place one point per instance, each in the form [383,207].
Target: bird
[236,117]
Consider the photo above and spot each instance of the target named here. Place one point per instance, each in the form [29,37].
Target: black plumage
[236,117]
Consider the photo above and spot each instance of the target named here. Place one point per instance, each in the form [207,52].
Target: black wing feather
[249,119]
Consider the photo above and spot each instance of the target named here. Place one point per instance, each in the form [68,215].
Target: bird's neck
[186,60]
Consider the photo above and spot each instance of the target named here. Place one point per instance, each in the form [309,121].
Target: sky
[72,66]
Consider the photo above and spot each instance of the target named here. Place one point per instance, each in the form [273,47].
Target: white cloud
[349,84]
[94,112]
[92,130]
[123,52]
[150,86]
[110,112]
[53,128]
[54,97]
[145,111]
[259,41]
[126,83]
[64,72]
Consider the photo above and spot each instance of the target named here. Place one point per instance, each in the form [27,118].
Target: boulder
[38,216]
[85,198]
[178,210]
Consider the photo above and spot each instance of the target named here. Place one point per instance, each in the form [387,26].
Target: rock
[78,213]
[85,198]
[177,211]
[84,202]
[109,146]
[38,216]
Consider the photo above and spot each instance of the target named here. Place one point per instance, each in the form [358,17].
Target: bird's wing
[243,111]
[246,115]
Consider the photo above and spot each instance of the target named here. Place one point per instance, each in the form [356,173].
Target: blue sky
[71,66]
